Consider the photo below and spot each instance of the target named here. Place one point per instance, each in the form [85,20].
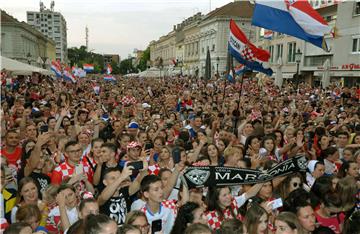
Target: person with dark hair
[303,210]
[114,199]
[19,228]
[62,216]
[342,140]
[12,150]
[108,160]
[99,224]
[287,223]
[31,215]
[349,168]
[328,215]
[231,226]
[156,208]
[323,230]
[138,219]
[331,160]
[315,169]
[189,213]
[73,164]
[222,205]
[88,206]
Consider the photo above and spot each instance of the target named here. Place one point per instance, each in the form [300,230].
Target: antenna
[52,5]
[41,6]
[87,37]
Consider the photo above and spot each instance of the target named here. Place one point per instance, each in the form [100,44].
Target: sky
[116,26]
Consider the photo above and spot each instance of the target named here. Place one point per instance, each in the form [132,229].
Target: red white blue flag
[88,67]
[109,78]
[68,76]
[293,17]
[56,69]
[245,52]
[108,69]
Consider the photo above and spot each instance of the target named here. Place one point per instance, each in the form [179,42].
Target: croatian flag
[268,34]
[108,69]
[293,17]
[96,88]
[240,69]
[88,67]
[69,76]
[109,78]
[56,69]
[245,52]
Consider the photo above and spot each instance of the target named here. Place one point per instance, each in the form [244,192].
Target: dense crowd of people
[109,157]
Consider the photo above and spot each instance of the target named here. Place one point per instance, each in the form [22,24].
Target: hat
[311,165]
[133,145]
[133,125]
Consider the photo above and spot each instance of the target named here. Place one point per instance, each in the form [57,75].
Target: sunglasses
[296,184]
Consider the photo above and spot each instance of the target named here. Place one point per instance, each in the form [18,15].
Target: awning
[19,68]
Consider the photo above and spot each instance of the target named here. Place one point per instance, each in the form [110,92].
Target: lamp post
[298,56]
[181,65]
[217,66]
[28,56]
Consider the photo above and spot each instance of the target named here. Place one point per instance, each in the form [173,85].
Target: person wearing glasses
[138,219]
[73,165]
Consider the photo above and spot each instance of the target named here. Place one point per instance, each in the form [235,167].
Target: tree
[144,59]
[126,66]
[79,56]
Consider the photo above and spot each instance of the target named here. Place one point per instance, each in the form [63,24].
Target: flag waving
[108,69]
[245,52]
[293,17]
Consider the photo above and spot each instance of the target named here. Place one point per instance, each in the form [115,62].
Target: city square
[171,117]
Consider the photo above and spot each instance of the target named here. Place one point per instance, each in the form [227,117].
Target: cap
[133,125]
[133,145]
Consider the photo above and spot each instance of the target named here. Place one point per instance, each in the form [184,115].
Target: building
[53,25]
[215,30]
[188,42]
[344,53]
[346,62]
[110,58]
[22,42]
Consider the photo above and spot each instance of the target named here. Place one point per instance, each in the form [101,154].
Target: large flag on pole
[68,76]
[293,17]
[56,69]
[88,67]
[245,52]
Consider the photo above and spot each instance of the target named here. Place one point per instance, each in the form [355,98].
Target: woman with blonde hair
[347,189]
[287,223]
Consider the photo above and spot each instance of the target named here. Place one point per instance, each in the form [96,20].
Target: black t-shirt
[43,181]
[117,207]
[100,187]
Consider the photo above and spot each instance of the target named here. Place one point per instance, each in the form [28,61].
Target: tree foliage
[80,56]
[144,59]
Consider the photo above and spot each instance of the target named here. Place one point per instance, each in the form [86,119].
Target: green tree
[79,56]
[126,66]
[144,59]
[115,68]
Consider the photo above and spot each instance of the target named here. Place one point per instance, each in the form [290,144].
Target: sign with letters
[223,176]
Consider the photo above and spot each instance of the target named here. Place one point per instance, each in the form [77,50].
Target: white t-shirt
[167,214]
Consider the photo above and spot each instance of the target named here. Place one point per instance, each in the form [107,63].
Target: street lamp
[298,56]
[217,66]
[28,56]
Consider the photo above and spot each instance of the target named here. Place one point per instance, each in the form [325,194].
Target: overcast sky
[116,26]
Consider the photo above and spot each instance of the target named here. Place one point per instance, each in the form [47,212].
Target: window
[279,51]
[291,52]
[213,47]
[271,51]
[357,8]
[356,45]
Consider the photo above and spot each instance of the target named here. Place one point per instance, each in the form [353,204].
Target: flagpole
[226,76]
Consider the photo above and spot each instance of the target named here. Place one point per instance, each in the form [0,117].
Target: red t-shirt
[333,222]
[13,157]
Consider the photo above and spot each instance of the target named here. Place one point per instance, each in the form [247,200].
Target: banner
[229,176]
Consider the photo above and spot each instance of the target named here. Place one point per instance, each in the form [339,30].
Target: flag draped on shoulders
[245,52]
[293,17]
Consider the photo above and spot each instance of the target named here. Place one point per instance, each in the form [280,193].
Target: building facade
[53,25]
[22,42]
[109,58]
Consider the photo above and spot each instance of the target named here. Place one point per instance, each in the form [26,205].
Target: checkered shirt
[214,219]
[64,170]
[247,54]
[154,169]
[128,100]
[170,204]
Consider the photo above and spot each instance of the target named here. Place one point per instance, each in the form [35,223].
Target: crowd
[109,157]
